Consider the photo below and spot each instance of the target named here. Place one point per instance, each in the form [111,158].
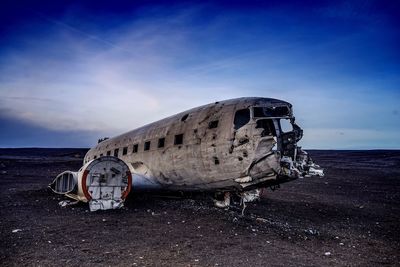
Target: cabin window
[161,142]
[109,153]
[178,139]
[116,152]
[135,148]
[286,126]
[101,155]
[147,146]
[242,117]
[213,124]
[184,118]
[95,157]
[125,151]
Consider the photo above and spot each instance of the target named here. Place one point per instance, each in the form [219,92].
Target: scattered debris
[327,253]
[261,220]
[311,232]
[66,203]
[223,203]
[16,230]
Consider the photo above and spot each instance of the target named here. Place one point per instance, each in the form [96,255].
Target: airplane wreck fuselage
[235,145]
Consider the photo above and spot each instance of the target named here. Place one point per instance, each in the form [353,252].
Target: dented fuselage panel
[234,145]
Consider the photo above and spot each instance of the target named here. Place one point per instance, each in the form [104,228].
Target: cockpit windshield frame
[272,112]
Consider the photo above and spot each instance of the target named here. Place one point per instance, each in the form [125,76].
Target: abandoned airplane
[237,146]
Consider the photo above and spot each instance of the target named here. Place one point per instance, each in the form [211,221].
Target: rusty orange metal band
[84,187]
[128,188]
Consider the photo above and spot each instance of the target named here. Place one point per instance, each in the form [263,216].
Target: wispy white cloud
[110,81]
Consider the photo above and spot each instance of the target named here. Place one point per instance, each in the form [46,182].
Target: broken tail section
[104,183]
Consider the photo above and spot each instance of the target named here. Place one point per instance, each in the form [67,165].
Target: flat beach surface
[350,217]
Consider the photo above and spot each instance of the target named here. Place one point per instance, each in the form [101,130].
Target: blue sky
[72,72]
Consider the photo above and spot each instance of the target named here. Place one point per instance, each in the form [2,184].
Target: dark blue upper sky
[74,71]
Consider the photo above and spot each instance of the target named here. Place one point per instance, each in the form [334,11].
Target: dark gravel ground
[348,218]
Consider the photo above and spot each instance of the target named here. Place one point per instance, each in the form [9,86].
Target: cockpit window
[286,126]
[242,117]
[260,112]
[268,127]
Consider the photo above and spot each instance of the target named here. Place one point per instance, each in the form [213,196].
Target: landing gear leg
[249,196]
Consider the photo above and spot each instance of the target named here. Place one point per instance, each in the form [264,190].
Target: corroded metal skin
[232,145]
